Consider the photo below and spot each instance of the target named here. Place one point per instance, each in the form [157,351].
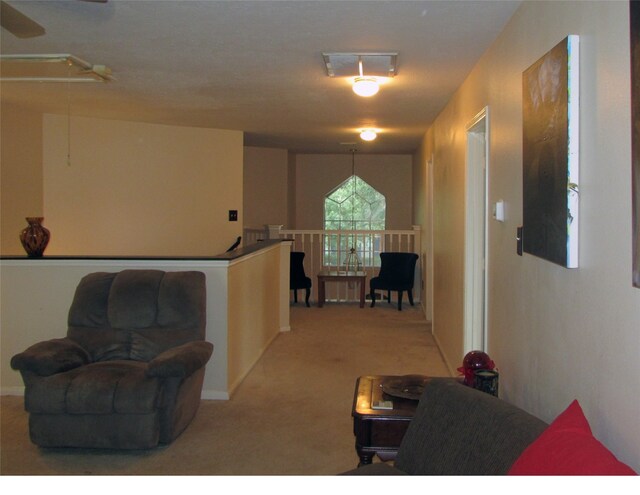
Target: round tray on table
[406,387]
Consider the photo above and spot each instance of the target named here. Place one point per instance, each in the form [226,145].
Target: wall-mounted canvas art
[550,155]
[635,137]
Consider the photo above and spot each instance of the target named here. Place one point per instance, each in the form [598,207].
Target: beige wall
[253,309]
[265,186]
[556,334]
[317,175]
[21,173]
[422,215]
[133,188]
[288,189]
[291,196]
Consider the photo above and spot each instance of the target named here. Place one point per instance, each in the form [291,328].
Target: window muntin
[353,206]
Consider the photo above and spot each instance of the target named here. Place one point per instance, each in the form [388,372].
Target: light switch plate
[498,210]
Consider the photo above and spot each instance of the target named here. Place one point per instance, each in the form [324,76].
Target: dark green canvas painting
[550,155]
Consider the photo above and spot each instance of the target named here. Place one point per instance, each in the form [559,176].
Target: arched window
[353,206]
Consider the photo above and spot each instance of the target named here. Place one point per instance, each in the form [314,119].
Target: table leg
[320,293]
[362,293]
[365,458]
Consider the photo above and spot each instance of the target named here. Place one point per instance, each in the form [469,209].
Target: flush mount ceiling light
[368,134]
[365,85]
[380,66]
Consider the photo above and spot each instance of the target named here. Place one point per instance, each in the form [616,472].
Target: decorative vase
[35,237]
[352,262]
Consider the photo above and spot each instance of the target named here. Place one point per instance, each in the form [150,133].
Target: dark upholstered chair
[129,373]
[297,277]
[396,273]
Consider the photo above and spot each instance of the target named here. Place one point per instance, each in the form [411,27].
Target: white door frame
[476,233]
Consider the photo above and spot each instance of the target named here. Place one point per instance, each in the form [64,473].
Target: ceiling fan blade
[17,23]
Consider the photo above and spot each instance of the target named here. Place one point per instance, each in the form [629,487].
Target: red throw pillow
[568,447]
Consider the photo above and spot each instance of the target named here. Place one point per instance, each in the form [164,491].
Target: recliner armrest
[181,361]
[50,357]
[458,430]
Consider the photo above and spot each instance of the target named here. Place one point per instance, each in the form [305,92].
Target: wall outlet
[233,215]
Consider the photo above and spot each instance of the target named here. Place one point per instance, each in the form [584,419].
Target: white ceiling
[257,66]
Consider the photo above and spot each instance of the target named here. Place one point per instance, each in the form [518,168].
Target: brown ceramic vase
[35,237]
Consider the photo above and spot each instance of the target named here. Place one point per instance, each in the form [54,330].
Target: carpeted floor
[290,416]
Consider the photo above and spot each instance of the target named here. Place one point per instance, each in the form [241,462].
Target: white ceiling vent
[347,64]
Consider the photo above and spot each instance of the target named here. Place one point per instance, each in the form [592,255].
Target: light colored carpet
[290,416]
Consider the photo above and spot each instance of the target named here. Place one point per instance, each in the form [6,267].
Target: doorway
[476,217]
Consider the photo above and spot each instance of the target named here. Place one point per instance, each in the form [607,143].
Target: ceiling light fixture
[57,68]
[365,85]
[368,134]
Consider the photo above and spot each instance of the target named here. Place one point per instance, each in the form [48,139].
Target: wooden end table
[340,276]
[379,431]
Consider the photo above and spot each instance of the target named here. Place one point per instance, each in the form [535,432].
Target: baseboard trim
[214,395]
[12,391]
[453,371]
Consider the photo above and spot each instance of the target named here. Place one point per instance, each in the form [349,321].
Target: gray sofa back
[137,314]
[458,430]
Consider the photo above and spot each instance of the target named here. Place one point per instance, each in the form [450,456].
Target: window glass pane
[353,205]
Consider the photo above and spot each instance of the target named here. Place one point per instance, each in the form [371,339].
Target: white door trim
[476,235]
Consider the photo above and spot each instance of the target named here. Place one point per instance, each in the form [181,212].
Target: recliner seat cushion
[108,387]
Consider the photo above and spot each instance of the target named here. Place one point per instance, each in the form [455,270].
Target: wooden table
[340,276]
[379,431]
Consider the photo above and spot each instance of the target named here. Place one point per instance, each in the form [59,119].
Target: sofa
[129,372]
[458,430]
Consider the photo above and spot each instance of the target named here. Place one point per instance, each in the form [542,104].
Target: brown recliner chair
[129,373]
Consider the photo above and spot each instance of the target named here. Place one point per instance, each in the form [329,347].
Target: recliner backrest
[136,314]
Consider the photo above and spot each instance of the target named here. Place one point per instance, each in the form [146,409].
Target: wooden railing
[329,249]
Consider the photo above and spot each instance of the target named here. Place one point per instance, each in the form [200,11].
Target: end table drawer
[388,433]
